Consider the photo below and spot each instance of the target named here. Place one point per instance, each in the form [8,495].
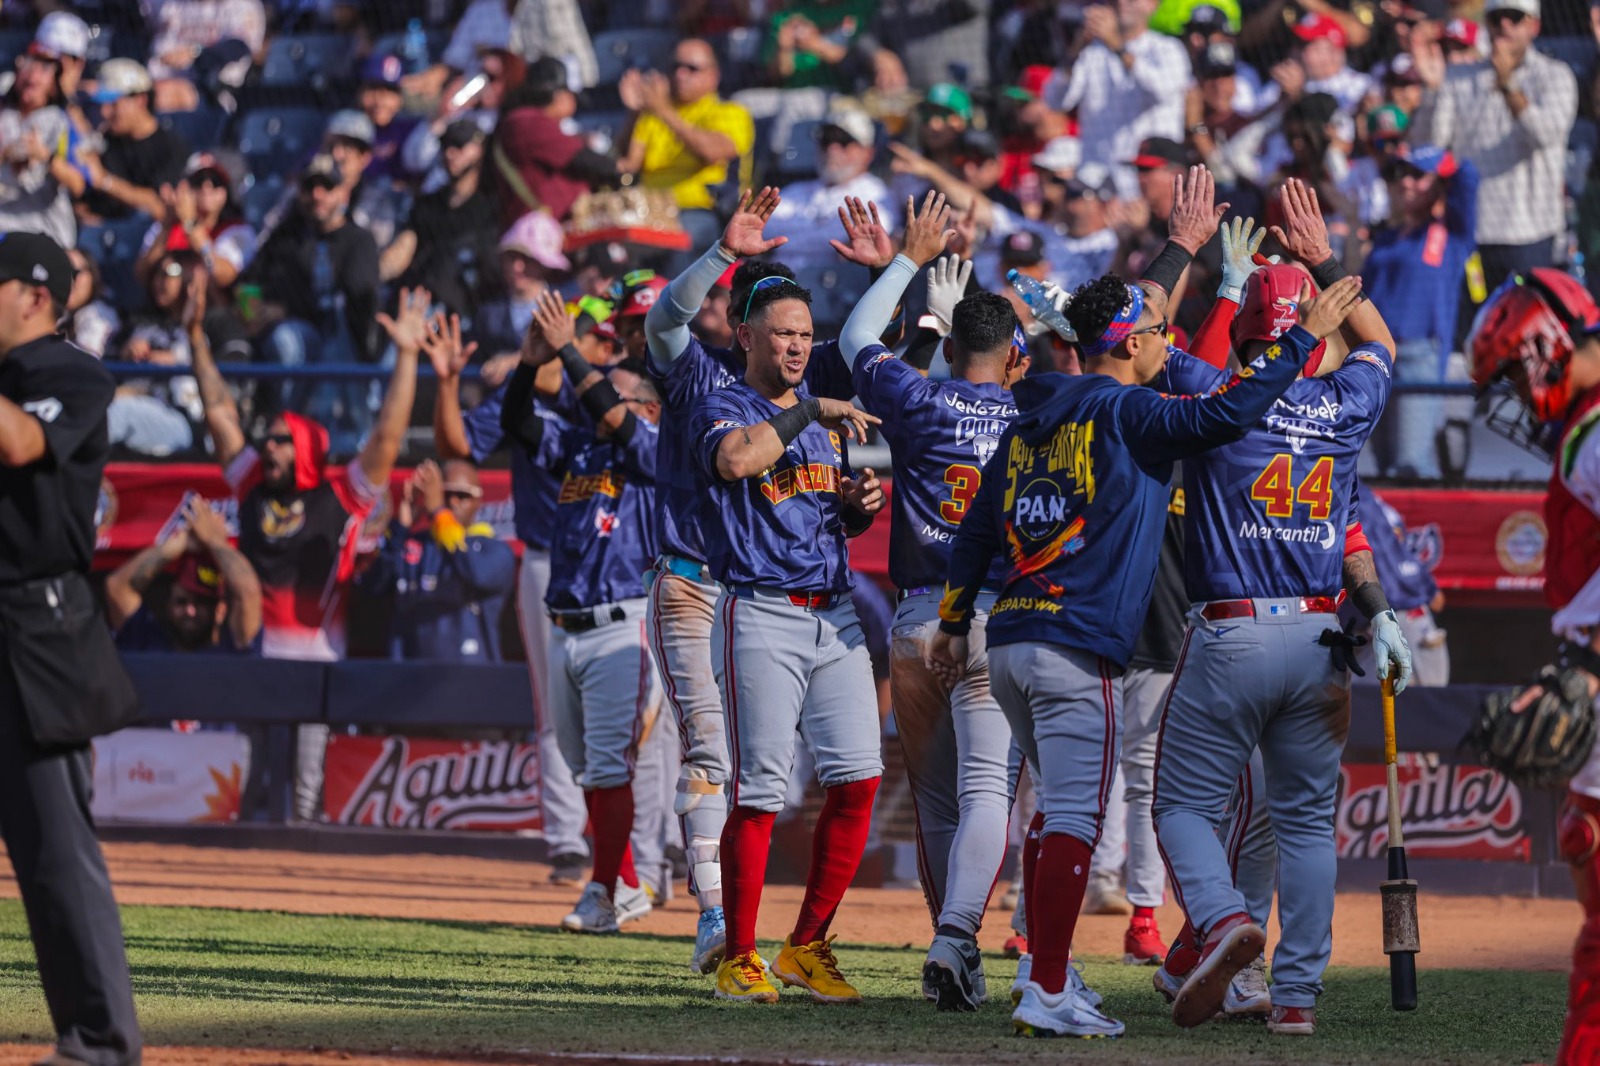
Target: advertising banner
[158,775]
[408,783]
[1447,812]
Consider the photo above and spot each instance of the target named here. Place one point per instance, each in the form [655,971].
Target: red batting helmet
[1524,337]
[1269,306]
[642,297]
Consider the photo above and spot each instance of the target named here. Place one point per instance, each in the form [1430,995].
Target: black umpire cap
[34,259]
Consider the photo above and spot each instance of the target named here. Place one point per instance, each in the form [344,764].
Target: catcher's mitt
[1541,735]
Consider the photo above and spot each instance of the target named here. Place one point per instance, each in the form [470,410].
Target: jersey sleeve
[554,443]
[827,374]
[690,375]
[713,418]
[886,385]
[1367,375]
[482,424]
[1187,375]
[69,400]
[639,452]
[1163,429]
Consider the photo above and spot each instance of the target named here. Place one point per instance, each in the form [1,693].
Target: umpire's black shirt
[47,507]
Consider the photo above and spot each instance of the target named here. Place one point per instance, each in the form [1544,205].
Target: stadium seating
[313,60]
[203,128]
[619,50]
[276,140]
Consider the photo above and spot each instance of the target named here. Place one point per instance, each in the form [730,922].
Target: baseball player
[1075,495]
[1412,591]
[1536,344]
[682,593]
[956,743]
[788,651]
[603,688]
[1264,662]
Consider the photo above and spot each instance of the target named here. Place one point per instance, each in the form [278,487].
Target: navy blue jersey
[940,433]
[604,538]
[448,586]
[1266,515]
[1406,582]
[784,527]
[680,490]
[533,489]
[1077,496]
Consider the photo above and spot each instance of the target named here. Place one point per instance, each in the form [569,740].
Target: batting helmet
[1521,343]
[1269,306]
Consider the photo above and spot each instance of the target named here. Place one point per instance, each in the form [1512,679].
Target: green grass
[228,978]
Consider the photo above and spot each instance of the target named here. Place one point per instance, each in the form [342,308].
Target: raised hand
[1195,212]
[947,657]
[947,284]
[864,493]
[631,89]
[927,233]
[744,236]
[409,328]
[1306,238]
[497,368]
[194,305]
[965,242]
[852,421]
[205,525]
[444,349]
[870,244]
[1241,243]
[656,92]
[1291,78]
[551,320]
[1320,315]
[429,485]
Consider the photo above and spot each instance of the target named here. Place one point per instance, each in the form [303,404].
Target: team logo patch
[605,522]
[880,357]
[982,434]
[1376,360]
[280,521]
[46,410]
[1520,542]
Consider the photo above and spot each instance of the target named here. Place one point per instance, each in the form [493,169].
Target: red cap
[200,577]
[641,299]
[1462,33]
[726,280]
[1270,306]
[1320,27]
[1033,78]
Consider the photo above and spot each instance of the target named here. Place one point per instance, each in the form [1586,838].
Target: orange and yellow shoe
[743,978]
[813,967]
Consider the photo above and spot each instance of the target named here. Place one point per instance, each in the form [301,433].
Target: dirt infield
[1457,931]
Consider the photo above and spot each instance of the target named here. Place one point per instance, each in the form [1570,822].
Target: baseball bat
[1401,941]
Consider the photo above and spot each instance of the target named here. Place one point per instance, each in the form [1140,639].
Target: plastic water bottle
[1032,292]
[414,48]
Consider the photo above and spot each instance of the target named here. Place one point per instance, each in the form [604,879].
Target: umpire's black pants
[72,917]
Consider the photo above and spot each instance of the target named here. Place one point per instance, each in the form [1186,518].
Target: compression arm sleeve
[872,314]
[666,326]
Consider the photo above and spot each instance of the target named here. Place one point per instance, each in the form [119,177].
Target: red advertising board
[1447,812]
[406,783]
[1473,541]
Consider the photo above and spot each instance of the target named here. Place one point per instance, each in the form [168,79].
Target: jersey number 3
[1275,487]
[963,481]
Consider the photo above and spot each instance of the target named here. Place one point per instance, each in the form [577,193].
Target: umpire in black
[60,681]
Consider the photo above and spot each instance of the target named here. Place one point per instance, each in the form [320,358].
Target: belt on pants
[923,590]
[684,567]
[1218,610]
[586,618]
[1416,612]
[813,601]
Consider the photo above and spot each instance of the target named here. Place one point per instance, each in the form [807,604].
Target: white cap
[352,125]
[854,122]
[62,33]
[1527,7]
[118,78]
[1060,154]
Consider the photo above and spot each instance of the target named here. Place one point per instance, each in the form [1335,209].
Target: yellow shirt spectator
[668,162]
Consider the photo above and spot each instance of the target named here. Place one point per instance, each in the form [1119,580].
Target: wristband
[1573,654]
[574,364]
[1165,270]
[856,521]
[788,424]
[1369,599]
[1327,272]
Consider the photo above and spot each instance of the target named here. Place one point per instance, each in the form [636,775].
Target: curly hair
[1095,304]
[983,323]
[747,274]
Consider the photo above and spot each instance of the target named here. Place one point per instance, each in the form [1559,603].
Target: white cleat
[595,912]
[631,904]
[1247,995]
[1024,971]
[1066,1013]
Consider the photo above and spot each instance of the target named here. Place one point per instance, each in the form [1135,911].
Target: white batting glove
[947,284]
[1391,649]
[1239,247]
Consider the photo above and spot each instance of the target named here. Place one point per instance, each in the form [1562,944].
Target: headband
[1121,325]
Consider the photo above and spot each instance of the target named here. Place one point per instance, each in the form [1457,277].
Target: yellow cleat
[813,967]
[743,978]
